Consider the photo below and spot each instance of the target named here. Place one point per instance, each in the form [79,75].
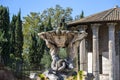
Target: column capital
[111,24]
[95,30]
[95,25]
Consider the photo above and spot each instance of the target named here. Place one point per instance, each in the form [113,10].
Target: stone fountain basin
[62,38]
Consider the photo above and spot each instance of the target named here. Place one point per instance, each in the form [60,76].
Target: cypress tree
[77,17]
[33,54]
[4,28]
[16,42]
[12,34]
[18,36]
[82,15]
[36,48]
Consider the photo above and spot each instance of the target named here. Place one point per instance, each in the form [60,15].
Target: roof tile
[107,15]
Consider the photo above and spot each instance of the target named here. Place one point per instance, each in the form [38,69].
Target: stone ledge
[104,76]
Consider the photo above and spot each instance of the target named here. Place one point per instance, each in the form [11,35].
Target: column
[95,54]
[82,51]
[111,27]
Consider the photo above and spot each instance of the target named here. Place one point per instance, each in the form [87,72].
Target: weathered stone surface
[54,40]
[112,52]
[104,77]
[61,39]
[95,58]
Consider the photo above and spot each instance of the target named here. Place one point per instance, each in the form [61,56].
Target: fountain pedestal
[61,68]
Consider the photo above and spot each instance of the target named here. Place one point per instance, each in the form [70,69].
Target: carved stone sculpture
[62,39]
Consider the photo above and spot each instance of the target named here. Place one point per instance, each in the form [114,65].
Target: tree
[31,24]
[18,36]
[49,25]
[82,15]
[46,59]
[33,45]
[38,22]
[16,43]
[4,29]
[33,58]
[12,41]
[77,17]
[2,40]
[56,15]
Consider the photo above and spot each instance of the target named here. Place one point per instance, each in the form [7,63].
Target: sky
[88,6]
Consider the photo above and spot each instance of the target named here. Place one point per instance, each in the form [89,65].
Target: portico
[103,42]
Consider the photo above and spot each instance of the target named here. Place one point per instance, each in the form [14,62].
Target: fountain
[61,38]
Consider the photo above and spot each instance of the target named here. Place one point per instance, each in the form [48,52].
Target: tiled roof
[105,16]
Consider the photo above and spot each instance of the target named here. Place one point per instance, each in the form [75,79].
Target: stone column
[82,51]
[95,54]
[111,27]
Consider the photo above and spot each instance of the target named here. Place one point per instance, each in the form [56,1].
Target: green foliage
[62,53]
[35,23]
[16,40]
[33,45]
[42,76]
[56,14]
[12,36]
[16,43]
[4,33]
[81,75]
[46,60]
[31,24]
[2,40]
[18,36]
[36,51]
[11,39]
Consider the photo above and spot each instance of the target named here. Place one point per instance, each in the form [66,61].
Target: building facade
[100,51]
